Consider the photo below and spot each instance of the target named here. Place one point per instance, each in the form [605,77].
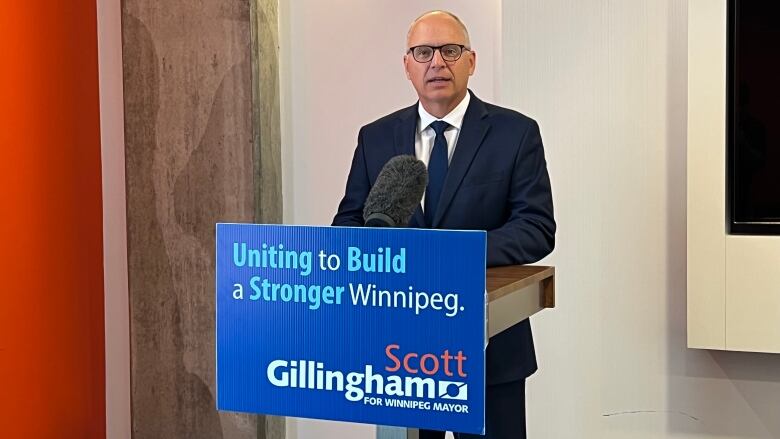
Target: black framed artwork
[753,119]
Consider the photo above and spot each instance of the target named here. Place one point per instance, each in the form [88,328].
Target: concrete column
[192,159]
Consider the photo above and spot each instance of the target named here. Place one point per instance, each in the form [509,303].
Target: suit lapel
[403,137]
[403,142]
[471,135]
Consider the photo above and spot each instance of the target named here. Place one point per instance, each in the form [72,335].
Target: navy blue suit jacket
[497,181]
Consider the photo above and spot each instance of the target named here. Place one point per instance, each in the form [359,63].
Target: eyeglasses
[449,52]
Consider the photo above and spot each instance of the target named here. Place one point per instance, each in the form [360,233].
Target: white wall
[607,82]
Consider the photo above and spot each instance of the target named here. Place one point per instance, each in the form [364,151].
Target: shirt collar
[454,117]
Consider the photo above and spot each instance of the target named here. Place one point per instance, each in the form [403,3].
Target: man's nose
[437,59]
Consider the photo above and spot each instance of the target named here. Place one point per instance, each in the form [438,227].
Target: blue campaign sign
[373,325]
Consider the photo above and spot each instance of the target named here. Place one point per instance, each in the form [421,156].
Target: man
[486,171]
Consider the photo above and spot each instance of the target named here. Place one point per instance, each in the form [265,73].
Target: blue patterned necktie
[437,170]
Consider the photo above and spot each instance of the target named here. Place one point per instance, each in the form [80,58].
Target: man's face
[439,82]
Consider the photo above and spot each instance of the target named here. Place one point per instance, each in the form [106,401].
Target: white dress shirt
[424,136]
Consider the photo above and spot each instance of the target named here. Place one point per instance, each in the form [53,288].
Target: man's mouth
[438,79]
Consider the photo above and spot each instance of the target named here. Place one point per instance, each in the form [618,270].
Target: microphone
[397,192]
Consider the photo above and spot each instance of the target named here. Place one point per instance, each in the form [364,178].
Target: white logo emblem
[453,390]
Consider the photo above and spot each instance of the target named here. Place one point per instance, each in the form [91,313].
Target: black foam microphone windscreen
[397,192]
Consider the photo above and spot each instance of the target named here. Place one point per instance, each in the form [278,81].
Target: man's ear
[473,61]
[406,70]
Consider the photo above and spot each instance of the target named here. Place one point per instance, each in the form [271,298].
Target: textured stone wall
[193,159]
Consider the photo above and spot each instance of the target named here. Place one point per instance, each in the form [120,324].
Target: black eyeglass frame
[435,48]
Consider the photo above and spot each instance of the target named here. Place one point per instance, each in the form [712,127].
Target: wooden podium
[515,292]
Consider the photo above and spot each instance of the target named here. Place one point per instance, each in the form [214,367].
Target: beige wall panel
[706,173]
[753,293]
[733,281]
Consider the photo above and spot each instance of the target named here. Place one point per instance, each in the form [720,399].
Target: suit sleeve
[529,232]
[350,212]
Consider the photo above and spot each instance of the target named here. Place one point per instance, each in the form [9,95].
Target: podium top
[502,281]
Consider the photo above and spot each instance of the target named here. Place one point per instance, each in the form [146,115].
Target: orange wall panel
[52,382]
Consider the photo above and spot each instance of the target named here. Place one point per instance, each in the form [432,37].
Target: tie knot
[439,126]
